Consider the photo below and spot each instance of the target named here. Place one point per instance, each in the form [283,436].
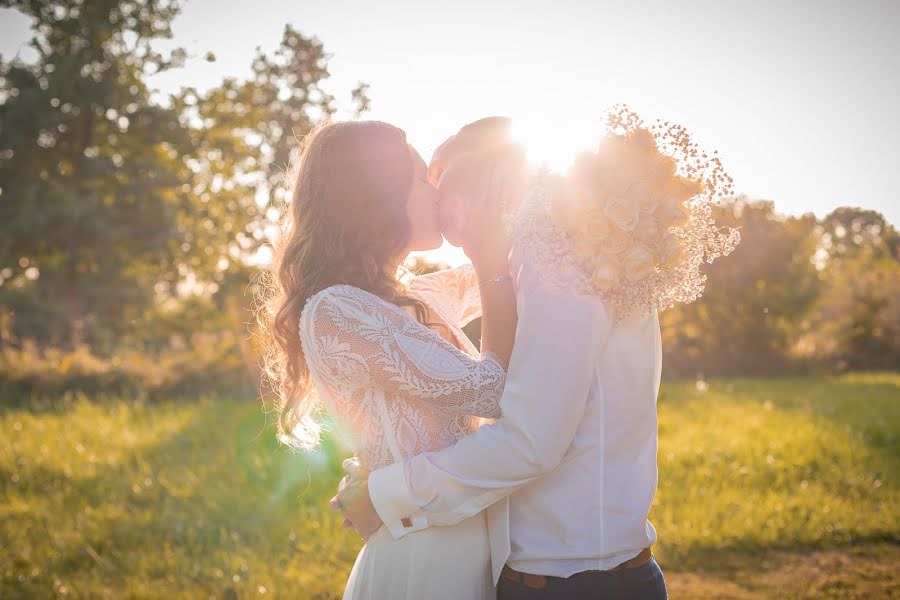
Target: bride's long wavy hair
[344,222]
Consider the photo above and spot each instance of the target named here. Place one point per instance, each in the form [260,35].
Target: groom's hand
[486,241]
[353,502]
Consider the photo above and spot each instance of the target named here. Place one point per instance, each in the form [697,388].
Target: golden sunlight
[555,144]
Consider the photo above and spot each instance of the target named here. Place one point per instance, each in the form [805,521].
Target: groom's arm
[558,339]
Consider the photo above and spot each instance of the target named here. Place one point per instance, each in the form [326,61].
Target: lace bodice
[398,387]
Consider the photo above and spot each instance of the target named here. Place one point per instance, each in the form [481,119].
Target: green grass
[781,487]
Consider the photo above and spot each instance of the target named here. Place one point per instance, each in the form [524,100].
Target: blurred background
[143,148]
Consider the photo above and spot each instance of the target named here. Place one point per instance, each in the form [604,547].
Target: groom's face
[457,171]
[454,195]
[452,213]
[451,202]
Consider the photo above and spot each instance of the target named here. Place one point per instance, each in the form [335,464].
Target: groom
[568,472]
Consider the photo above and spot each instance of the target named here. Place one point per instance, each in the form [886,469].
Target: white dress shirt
[574,451]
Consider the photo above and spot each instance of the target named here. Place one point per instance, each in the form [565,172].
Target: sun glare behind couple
[553,145]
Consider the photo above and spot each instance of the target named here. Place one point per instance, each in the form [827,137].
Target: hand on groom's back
[353,502]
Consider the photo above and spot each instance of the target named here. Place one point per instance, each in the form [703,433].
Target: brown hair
[345,222]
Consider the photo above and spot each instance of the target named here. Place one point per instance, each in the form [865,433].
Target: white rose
[639,262]
[597,226]
[647,228]
[617,241]
[640,195]
[584,249]
[670,211]
[606,274]
[622,212]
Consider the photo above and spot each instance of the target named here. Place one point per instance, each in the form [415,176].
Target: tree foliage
[114,200]
[798,293]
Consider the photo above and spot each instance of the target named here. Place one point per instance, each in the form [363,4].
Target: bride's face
[422,209]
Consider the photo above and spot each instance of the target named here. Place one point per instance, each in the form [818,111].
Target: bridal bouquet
[634,216]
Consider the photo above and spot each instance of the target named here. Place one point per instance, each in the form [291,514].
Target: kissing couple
[525,468]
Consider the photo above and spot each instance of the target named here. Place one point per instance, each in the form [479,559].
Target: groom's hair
[477,136]
[474,149]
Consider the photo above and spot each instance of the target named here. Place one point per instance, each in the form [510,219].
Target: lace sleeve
[454,290]
[356,340]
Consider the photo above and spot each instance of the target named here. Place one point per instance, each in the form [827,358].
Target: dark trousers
[640,583]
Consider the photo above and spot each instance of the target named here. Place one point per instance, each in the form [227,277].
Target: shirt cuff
[393,502]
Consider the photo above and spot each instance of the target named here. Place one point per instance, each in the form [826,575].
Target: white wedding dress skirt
[438,563]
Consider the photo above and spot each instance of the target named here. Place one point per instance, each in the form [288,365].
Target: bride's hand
[487,244]
[353,502]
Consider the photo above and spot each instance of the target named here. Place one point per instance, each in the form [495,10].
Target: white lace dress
[402,389]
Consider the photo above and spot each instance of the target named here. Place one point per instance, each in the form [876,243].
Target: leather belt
[539,582]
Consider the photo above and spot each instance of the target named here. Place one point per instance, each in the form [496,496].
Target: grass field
[768,488]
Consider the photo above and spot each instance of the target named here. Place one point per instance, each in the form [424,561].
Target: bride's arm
[455,289]
[356,340]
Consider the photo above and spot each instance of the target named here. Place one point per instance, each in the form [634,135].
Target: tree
[755,300]
[243,135]
[856,320]
[89,167]
[847,232]
[110,201]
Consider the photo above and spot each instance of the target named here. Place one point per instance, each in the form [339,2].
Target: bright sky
[798,97]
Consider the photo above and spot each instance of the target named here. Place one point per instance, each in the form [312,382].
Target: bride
[387,359]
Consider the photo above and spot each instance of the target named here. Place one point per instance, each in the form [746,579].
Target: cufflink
[406,522]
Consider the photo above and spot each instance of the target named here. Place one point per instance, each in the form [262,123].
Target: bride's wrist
[486,270]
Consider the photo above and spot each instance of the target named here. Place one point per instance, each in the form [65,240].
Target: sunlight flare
[556,143]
